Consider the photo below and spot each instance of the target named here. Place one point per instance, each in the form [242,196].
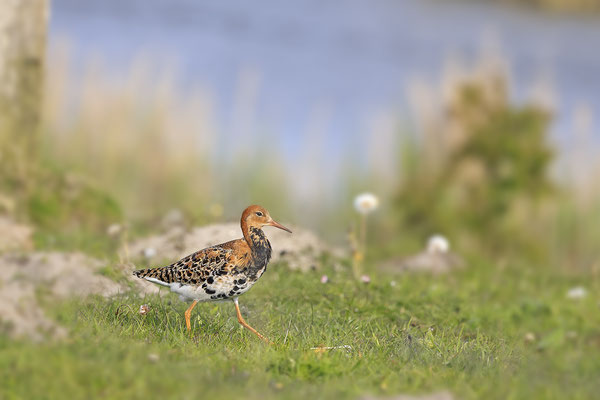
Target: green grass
[462,332]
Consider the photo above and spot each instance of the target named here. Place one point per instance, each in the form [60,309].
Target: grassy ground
[465,333]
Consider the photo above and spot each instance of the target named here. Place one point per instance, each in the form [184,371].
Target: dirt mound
[142,286]
[436,258]
[300,250]
[27,278]
[14,236]
[425,262]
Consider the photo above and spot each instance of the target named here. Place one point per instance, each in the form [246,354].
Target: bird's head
[257,217]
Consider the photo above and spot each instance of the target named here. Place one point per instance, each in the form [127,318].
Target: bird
[221,272]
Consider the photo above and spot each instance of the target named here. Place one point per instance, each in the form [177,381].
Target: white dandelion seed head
[438,244]
[366,203]
[578,292]
[529,337]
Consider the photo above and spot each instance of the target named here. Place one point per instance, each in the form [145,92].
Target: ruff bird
[221,272]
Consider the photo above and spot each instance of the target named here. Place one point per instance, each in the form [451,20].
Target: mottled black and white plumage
[223,271]
[218,272]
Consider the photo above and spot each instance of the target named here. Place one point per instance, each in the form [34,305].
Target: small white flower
[438,244]
[393,283]
[578,292]
[114,230]
[365,279]
[153,357]
[529,337]
[149,252]
[366,203]
[144,308]
[324,279]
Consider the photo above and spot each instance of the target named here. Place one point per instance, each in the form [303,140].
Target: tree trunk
[23,25]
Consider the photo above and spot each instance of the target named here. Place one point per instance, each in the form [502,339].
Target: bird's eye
[259,214]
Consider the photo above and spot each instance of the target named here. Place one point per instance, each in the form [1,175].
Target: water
[337,63]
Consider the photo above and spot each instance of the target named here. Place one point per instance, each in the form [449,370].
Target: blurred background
[474,119]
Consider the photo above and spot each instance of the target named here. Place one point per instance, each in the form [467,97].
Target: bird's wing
[193,269]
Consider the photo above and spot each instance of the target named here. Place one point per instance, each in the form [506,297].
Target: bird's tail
[162,276]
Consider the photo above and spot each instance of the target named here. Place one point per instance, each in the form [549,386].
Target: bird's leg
[188,312]
[245,324]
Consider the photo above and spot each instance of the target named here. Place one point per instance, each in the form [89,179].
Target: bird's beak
[278,225]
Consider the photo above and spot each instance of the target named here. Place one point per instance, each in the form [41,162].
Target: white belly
[189,293]
[221,286]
